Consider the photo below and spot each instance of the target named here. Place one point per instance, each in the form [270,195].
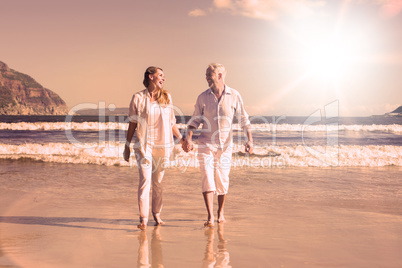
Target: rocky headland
[395,113]
[20,94]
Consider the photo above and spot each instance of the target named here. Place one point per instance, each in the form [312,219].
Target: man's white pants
[151,170]
[215,168]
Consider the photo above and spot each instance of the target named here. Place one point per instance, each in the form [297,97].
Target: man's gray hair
[218,68]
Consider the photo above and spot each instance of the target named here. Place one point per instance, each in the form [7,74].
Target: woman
[152,117]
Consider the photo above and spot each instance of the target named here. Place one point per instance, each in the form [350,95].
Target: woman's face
[157,79]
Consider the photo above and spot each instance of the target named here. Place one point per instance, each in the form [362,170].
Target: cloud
[268,9]
[391,8]
[388,8]
[223,3]
[197,13]
[274,9]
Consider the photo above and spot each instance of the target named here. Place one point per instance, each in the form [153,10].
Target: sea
[316,192]
[279,141]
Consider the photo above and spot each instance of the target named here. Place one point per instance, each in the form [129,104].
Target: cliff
[20,94]
[397,110]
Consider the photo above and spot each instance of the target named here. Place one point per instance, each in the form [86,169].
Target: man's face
[212,77]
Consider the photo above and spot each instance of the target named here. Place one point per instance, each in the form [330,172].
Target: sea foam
[95,126]
[110,154]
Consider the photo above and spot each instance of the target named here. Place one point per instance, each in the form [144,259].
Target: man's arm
[130,133]
[195,121]
[249,147]
[242,117]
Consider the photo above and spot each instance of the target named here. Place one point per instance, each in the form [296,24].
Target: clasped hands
[186,145]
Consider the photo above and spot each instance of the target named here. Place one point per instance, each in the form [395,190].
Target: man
[215,109]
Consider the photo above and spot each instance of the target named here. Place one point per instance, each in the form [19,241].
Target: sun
[329,59]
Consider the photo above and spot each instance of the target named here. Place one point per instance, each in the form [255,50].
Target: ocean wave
[394,128]
[110,154]
[95,126]
[49,126]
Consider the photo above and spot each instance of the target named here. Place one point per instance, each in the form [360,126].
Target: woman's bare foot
[158,220]
[142,226]
[209,223]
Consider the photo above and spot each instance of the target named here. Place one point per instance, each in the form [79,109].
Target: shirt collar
[146,92]
[227,90]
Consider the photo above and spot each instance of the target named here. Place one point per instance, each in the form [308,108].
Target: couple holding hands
[152,118]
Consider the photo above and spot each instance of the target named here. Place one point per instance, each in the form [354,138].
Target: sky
[285,57]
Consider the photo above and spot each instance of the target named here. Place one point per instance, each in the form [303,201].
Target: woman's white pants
[151,170]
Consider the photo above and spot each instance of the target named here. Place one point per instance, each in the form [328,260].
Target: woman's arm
[177,133]
[130,133]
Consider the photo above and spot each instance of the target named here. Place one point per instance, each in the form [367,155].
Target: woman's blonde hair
[162,96]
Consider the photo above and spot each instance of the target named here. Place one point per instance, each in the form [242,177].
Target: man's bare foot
[221,218]
[209,223]
[142,226]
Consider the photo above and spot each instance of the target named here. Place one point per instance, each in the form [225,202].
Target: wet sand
[63,215]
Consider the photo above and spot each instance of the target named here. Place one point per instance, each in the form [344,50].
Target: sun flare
[329,59]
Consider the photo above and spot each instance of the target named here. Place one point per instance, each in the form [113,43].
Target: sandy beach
[308,92]
[63,215]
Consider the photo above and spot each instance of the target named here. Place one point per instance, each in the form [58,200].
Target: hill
[20,94]
[397,110]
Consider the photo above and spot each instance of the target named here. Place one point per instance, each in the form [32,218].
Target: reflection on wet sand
[143,252]
[218,257]
[221,257]
[156,249]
